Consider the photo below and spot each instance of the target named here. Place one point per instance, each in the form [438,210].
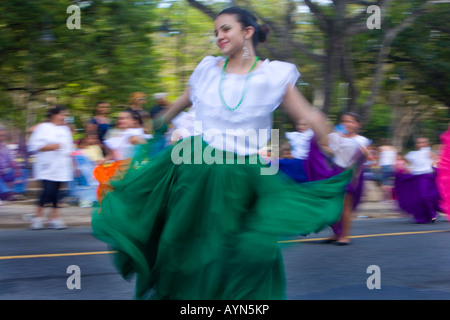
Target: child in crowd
[88,155]
[299,144]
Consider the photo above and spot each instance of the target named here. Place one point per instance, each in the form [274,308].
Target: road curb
[17,215]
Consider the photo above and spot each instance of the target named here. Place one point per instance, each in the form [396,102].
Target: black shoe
[342,243]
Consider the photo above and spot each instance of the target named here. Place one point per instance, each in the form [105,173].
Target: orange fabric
[105,172]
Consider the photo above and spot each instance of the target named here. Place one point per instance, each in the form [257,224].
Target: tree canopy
[109,57]
[395,76]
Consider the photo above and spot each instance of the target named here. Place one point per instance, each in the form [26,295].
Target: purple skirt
[319,167]
[418,195]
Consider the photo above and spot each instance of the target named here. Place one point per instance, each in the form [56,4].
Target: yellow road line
[368,236]
[52,255]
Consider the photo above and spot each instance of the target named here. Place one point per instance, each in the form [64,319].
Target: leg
[346,219]
[54,199]
[39,212]
[37,222]
[338,226]
[55,221]
[386,188]
[44,198]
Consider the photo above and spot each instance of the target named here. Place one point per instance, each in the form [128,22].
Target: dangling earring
[246,54]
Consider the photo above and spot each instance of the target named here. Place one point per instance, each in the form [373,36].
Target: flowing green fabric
[209,231]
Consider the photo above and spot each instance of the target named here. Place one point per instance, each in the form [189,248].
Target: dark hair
[97,104]
[355,116]
[135,115]
[55,110]
[247,19]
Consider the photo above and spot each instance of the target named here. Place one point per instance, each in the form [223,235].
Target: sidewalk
[14,214]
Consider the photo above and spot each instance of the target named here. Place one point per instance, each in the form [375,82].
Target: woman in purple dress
[348,149]
[417,191]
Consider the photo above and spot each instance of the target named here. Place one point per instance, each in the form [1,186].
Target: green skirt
[196,230]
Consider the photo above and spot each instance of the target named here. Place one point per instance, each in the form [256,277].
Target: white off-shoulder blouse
[247,128]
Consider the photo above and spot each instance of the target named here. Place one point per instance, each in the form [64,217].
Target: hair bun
[248,19]
[263,32]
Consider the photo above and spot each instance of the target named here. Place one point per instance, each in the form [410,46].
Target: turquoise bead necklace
[244,91]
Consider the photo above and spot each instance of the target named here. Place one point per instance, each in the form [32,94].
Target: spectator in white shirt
[53,145]
[422,159]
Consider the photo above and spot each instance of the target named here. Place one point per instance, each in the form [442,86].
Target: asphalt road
[412,261]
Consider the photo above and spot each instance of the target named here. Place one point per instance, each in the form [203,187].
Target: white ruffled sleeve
[288,72]
[199,74]
[334,140]
[281,75]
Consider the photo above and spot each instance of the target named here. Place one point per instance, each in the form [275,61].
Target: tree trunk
[331,71]
[402,126]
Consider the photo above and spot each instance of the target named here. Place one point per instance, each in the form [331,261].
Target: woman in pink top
[443,173]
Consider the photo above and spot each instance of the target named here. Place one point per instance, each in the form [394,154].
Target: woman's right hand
[51,147]
[56,146]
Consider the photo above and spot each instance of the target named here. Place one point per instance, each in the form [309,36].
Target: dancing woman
[208,230]
[417,191]
[349,148]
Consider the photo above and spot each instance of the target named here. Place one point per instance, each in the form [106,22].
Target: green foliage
[108,58]
[422,54]
[378,126]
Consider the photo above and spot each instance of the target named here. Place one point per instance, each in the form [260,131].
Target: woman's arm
[50,147]
[137,140]
[298,108]
[182,103]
